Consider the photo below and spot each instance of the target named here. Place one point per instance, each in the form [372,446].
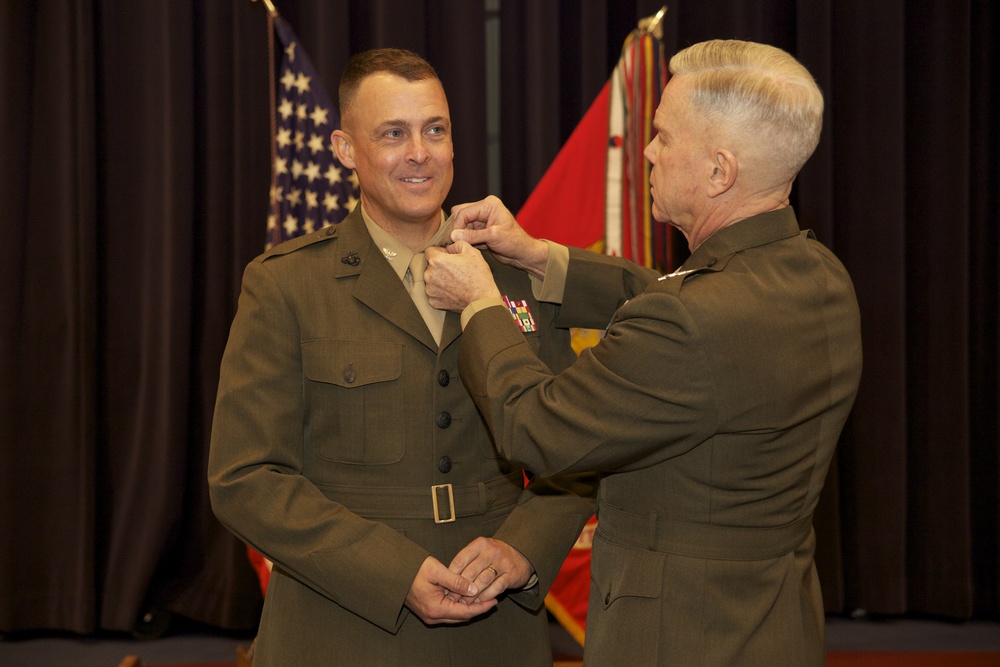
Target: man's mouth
[416,180]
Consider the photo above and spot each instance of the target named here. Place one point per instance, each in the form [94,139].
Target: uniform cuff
[478,305]
[551,289]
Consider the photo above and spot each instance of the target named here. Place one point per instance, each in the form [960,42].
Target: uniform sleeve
[545,525]
[597,285]
[641,396]
[589,288]
[255,469]
[552,511]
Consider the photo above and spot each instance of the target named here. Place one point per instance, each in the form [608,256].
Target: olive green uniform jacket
[337,416]
[713,403]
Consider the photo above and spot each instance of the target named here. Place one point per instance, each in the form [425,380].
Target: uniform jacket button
[444,378]
[443,419]
[350,377]
[444,464]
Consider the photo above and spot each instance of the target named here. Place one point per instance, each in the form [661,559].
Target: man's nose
[417,150]
[648,152]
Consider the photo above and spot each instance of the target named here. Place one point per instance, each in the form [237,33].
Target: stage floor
[189,647]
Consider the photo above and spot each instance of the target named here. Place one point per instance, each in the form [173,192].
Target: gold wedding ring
[490,568]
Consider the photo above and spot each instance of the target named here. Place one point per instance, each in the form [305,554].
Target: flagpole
[649,25]
[272,15]
[270,7]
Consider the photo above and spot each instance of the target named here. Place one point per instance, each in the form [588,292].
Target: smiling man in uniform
[344,447]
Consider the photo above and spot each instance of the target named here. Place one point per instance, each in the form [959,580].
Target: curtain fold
[984,239]
[135,172]
[867,118]
[48,327]
[938,316]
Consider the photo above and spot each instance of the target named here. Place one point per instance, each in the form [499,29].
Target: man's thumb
[470,236]
[460,584]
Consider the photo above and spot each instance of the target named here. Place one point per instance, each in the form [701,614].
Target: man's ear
[343,148]
[725,169]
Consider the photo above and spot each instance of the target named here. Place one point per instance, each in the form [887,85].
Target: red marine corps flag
[595,195]
[608,206]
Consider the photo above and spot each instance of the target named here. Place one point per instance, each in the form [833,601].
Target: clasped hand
[470,585]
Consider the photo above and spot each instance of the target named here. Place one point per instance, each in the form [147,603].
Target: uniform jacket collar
[716,250]
[378,286]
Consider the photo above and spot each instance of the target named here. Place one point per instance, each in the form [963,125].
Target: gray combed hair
[757,90]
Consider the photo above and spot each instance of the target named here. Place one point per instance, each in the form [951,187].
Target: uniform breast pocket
[354,400]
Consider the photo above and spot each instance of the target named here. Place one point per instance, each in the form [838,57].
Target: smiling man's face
[397,135]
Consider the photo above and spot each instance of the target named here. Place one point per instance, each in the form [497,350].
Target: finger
[466,215]
[462,559]
[456,210]
[478,570]
[471,236]
[462,248]
[473,608]
[495,588]
[489,582]
[457,612]
[459,584]
[438,575]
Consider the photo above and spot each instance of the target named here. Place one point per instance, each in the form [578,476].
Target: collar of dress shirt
[394,250]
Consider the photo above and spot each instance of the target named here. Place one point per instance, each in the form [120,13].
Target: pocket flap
[627,572]
[351,363]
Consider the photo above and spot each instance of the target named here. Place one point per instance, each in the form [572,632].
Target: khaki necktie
[433,317]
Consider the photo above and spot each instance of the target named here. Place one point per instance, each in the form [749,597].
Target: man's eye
[394,134]
[437,129]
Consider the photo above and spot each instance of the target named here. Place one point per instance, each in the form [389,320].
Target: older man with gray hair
[715,400]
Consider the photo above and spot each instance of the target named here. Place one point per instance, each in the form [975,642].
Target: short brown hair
[401,62]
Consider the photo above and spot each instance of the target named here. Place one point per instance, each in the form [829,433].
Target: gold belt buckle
[451,503]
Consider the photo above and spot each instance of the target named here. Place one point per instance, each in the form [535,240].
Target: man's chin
[659,217]
[422,214]
[422,208]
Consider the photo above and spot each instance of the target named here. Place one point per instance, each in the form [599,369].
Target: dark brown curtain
[134,150]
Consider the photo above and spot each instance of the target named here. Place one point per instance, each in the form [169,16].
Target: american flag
[310,189]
